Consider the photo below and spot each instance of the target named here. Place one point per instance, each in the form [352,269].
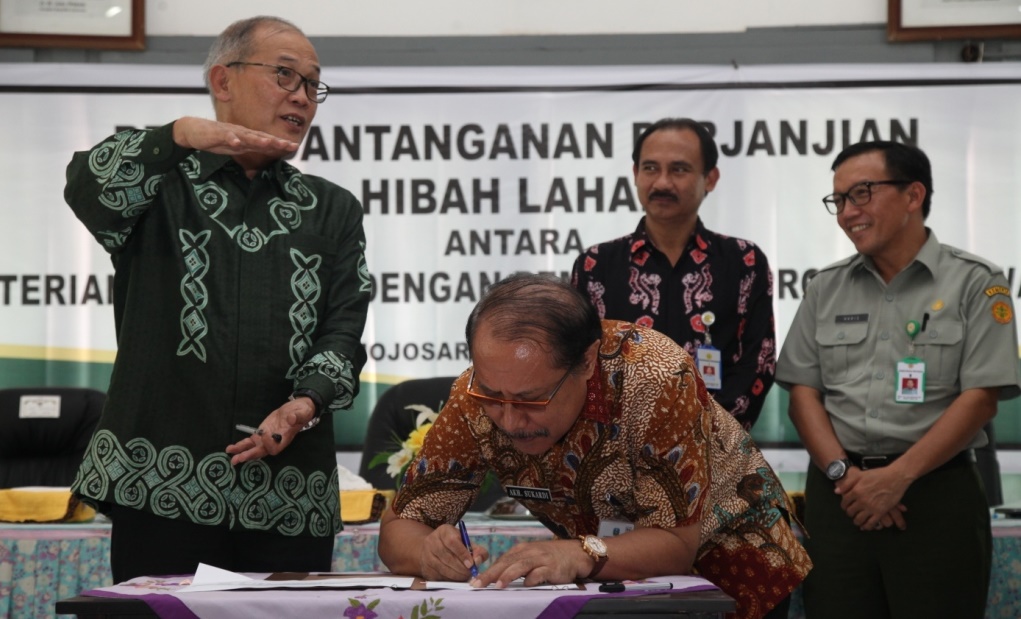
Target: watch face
[595,544]
[836,469]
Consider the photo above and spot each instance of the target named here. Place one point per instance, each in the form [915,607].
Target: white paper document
[209,578]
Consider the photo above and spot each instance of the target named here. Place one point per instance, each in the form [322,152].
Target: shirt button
[933,334]
[156,150]
[840,335]
[890,298]
[880,374]
[873,413]
[884,335]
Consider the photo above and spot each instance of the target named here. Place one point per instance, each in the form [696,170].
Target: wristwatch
[596,548]
[837,469]
[317,405]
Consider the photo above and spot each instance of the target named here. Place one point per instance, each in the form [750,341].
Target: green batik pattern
[125,188]
[193,291]
[288,502]
[167,482]
[170,483]
[338,370]
[363,271]
[286,215]
[306,287]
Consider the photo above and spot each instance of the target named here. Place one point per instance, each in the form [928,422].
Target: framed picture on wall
[933,20]
[89,24]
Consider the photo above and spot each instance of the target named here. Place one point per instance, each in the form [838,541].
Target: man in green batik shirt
[240,296]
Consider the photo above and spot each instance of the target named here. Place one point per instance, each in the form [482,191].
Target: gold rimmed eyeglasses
[488,400]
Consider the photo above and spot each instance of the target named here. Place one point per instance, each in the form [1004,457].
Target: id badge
[710,365]
[613,528]
[910,381]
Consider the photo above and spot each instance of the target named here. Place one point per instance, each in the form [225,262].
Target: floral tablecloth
[165,597]
[40,564]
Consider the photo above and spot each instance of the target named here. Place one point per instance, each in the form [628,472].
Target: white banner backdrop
[467,175]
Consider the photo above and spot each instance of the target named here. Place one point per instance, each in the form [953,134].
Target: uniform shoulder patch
[995,290]
[1002,312]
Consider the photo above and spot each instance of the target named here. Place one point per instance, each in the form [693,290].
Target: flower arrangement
[397,462]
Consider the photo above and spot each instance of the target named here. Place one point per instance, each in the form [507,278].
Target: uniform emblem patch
[1002,312]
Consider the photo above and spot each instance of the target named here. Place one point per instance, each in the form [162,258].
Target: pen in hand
[250,430]
[468,545]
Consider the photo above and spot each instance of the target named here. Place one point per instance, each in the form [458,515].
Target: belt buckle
[873,462]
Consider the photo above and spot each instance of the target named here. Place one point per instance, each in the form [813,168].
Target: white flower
[425,414]
[397,461]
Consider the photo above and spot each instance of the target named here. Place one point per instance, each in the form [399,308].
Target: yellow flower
[417,437]
[397,462]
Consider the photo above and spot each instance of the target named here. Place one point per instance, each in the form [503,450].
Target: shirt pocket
[841,351]
[940,346]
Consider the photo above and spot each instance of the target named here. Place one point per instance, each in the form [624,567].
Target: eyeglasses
[486,400]
[290,80]
[858,195]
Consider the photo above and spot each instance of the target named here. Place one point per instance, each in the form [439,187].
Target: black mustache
[527,435]
[666,195]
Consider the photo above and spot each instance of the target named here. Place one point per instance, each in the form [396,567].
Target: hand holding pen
[282,426]
[251,448]
[468,544]
[250,430]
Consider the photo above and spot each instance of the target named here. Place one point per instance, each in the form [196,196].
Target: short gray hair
[235,42]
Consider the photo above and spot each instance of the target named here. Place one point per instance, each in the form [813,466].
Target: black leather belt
[877,462]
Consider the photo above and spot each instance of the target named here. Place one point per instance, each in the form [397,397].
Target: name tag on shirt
[709,362]
[532,494]
[849,318]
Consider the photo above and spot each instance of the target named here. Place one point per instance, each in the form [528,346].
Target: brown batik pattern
[650,447]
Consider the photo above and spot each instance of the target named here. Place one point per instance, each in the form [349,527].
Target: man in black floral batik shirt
[710,293]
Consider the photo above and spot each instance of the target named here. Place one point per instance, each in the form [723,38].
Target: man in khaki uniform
[895,361]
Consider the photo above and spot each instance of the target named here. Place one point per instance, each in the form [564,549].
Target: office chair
[44,432]
[391,422]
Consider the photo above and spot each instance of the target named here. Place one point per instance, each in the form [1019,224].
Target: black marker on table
[618,587]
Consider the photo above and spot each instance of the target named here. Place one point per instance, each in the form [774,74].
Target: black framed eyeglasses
[859,195]
[290,80]
[536,405]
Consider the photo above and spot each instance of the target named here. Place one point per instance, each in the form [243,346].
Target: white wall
[517,17]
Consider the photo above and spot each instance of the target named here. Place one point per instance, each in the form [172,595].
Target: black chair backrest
[44,432]
[391,423]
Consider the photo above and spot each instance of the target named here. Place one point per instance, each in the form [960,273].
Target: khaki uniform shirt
[850,333]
